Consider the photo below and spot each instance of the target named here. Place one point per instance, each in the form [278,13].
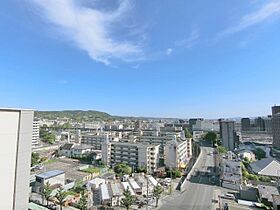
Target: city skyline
[143,58]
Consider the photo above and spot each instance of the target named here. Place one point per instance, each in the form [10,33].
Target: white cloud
[190,41]
[267,11]
[168,51]
[90,29]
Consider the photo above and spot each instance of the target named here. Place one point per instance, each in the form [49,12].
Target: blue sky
[143,58]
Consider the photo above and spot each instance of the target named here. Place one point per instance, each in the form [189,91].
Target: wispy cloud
[91,29]
[190,41]
[168,51]
[268,10]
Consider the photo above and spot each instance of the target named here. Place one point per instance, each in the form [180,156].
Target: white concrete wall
[15,153]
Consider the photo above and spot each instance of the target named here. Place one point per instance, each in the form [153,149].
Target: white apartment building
[93,140]
[178,153]
[35,134]
[133,154]
[157,140]
[15,152]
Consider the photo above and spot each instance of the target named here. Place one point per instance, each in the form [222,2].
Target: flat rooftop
[50,174]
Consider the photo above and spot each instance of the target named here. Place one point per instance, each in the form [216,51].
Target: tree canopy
[128,199]
[211,136]
[47,191]
[122,169]
[35,158]
[188,133]
[260,153]
[222,150]
[83,201]
[157,193]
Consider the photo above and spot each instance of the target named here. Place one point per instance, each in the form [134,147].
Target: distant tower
[276,126]
[228,135]
[245,124]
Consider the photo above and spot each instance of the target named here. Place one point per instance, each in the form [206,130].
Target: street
[198,191]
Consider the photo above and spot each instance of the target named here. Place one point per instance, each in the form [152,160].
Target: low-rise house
[276,202]
[75,150]
[231,175]
[266,167]
[81,150]
[144,184]
[65,150]
[126,186]
[136,188]
[95,183]
[266,194]
[105,198]
[248,193]
[116,194]
[54,178]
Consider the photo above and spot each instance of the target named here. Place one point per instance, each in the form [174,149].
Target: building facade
[16,139]
[177,153]
[276,126]
[245,124]
[134,154]
[229,138]
[35,134]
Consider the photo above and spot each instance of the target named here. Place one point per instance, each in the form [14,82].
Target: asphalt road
[199,191]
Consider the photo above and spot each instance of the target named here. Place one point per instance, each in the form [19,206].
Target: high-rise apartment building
[276,126]
[16,127]
[228,135]
[245,124]
[35,133]
[133,154]
[260,124]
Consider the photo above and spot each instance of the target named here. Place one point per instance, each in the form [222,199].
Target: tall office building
[245,124]
[15,152]
[229,138]
[276,126]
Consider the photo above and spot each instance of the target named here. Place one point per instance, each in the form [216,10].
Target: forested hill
[76,115]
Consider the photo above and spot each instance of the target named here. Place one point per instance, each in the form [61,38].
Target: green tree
[60,196]
[78,186]
[264,179]
[188,133]
[128,199]
[260,153]
[122,169]
[253,177]
[157,193]
[83,201]
[35,158]
[47,191]
[211,137]
[141,169]
[222,150]
[173,173]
